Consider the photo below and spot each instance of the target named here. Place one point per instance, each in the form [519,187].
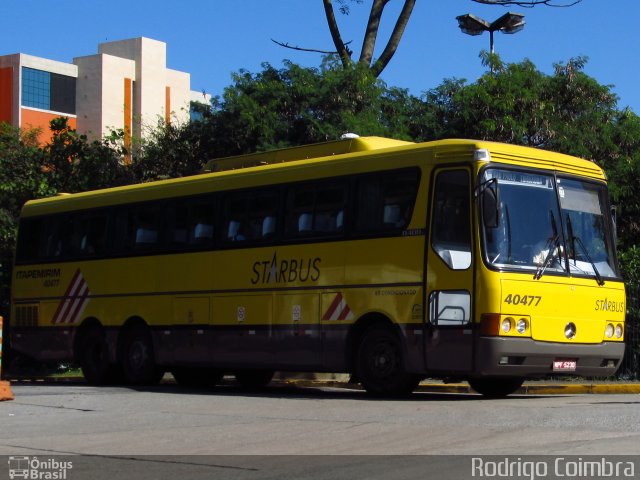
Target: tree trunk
[341,48]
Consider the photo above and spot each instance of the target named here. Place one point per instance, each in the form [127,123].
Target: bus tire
[197,376]
[254,379]
[496,387]
[138,360]
[93,356]
[380,364]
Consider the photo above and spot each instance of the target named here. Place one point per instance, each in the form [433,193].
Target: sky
[211,39]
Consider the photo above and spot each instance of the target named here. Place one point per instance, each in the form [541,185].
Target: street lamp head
[509,23]
[472,25]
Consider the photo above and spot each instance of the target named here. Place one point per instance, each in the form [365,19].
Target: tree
[75,164]
[284,107]
[366,57]
[173,150]
[371,34]
[22,177]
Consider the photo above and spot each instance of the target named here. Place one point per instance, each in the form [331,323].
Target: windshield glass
[585,217]
[539,221]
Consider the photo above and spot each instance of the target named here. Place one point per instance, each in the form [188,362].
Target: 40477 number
[528,300]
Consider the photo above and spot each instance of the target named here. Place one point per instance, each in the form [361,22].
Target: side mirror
[490,206]
[614,219]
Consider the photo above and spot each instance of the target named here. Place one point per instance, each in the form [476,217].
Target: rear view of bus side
[389,260]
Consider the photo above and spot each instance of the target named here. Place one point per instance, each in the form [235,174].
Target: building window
[48,91]
[36,88]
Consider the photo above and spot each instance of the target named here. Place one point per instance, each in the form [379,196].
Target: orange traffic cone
[5,387]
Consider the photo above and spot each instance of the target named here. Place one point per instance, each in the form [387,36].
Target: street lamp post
[508,23]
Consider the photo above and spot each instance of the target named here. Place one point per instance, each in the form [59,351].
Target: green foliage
[630,265]
[170,151]
[74,164]
[21,178]
[297,105]
[70,163]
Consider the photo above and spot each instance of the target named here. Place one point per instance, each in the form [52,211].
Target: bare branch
[394,40]
[341,48]
[530,3]
[371,34]
[314,50]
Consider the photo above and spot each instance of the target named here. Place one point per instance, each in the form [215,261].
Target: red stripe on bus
[65,301]
[332,308]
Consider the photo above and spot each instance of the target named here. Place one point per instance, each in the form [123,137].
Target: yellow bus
[392,261]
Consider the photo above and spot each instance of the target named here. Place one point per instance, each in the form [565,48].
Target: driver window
[451,233]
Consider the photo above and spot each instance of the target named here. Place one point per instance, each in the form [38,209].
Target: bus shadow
[278,390]
[321,392]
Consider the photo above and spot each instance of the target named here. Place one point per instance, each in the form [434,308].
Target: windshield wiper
[575,239]
[553,244]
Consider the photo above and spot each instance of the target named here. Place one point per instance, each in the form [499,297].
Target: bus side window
[123,231]
[147,226]
[251,216]
[33,238]
[316,210]
[201,218]
[178,224]
[451,225]
[139,228]
[385,201]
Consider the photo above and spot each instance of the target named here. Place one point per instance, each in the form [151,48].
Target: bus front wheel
[496,387]
[380,364]
[138,361]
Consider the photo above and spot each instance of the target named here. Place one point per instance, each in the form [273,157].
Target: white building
[126,85]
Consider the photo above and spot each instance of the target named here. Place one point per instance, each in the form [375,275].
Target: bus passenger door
[449,336]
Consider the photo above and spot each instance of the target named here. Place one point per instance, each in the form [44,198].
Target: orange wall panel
[128,118]
[6,95]
[36,119]
[167,105]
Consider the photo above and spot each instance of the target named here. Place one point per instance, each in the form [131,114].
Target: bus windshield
[549,225]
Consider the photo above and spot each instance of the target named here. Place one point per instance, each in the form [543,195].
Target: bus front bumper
[500,356]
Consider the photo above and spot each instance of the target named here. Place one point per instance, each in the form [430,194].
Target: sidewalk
[536,387]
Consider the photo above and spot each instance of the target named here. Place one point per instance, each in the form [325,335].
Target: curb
[532,388]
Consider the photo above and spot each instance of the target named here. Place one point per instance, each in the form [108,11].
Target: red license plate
[564,365]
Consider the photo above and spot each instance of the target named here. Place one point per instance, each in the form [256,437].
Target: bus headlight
[609,330]
[521,326]
[619,331]
[506,325]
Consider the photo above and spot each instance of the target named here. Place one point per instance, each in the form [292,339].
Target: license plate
[564,365]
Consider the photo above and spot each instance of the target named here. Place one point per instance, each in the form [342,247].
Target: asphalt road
[281,422]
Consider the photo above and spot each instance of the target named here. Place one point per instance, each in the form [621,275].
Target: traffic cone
[5,387]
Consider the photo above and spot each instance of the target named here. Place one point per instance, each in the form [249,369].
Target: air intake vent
[26,316]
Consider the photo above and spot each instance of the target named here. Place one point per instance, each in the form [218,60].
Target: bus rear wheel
[93,356]
[380,364]
[138,361]
[197,376]
[496,387]
[254,379]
